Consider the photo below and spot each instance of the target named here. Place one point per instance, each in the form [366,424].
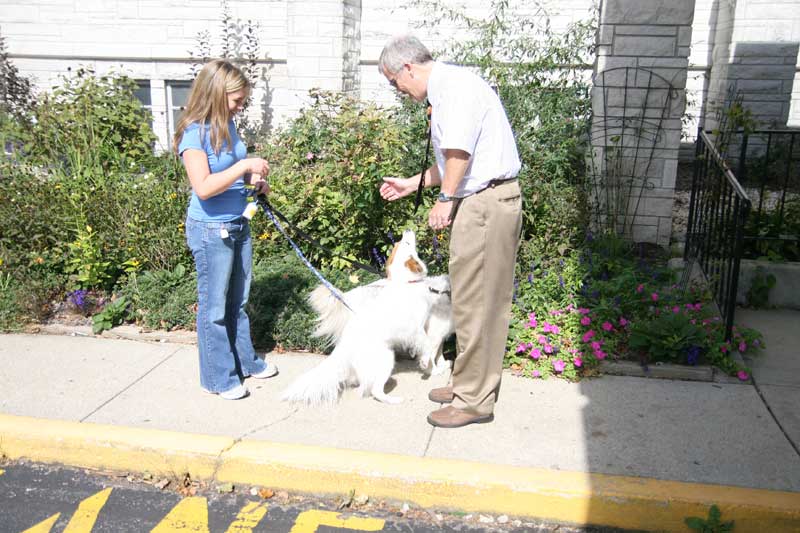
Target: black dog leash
[418,198]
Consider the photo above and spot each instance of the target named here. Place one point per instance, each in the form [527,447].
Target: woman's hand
[256,165]
[260,184]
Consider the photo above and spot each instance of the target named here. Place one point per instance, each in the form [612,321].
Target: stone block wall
[638,102]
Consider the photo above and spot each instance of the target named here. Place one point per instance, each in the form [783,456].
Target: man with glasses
[476,167]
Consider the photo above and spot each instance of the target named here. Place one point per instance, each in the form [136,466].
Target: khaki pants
[483,252]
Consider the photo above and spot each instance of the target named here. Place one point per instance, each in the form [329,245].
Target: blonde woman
[218,235]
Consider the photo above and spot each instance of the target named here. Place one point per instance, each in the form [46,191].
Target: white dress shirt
[468,115]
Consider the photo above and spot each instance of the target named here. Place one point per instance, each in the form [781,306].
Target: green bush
[163,299]
[327,169]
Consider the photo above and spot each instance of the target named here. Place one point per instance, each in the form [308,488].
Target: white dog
[406,310]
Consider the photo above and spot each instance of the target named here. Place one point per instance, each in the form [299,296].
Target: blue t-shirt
[230,203]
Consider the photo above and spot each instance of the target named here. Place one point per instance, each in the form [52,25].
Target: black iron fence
[767,165]
[718,210]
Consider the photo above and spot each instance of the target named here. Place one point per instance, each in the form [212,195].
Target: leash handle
[418,198]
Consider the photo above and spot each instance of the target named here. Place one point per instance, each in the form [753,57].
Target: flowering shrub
[601,303]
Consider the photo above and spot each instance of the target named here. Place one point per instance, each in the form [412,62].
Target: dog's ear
[413,265]
[391,260]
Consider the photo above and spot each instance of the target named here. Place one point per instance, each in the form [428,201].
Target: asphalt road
[37,498]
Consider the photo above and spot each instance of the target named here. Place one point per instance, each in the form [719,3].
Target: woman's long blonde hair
[208,103]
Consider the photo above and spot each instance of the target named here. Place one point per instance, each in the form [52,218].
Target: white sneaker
[236,393]
[268,372]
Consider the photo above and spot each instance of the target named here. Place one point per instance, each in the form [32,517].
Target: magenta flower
[742,347]
[583,311]
[555,312]
[742,375]
[676,309]
[585,321]
[623,322]
[521,347]
[596,345]
[640,288]
[536,353]
[532,321]
[548,349]
[535,373]
[600,354]
[654,296]
[724,348]
[608,326]
[698,306]
[578,362]
[542,339]
[559,365]
[588,335]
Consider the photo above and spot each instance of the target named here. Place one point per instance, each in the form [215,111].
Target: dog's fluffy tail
[320,385]
[332,315]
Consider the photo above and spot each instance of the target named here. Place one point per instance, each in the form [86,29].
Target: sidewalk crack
[137,380]
[793,444]
[219,460]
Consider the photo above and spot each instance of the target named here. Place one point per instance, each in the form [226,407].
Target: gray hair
[400,50]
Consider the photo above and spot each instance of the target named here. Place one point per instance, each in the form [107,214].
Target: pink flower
[742,347]
[588,335]
[578,362]
[542,339]
[742,375]
[698,306]
[559,365]
[309,156]
[690,307]
[555,312]
[596,345]
[676,309]
[548,349]
[640,288]
[532,321]
[536,353]
[623,322]
[600,354]
[585,321]
[654,296]
[583,311]
[724,348]
[535,373]
[570,307]
[550,328]
[520,347]
[608,326]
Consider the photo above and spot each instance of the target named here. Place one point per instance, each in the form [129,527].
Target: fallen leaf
[266,493]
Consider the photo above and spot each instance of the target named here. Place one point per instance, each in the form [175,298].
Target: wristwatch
[444,198]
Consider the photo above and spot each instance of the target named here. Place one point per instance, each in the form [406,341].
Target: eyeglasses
[393,82]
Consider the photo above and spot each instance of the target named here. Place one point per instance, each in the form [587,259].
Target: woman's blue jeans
[223,256]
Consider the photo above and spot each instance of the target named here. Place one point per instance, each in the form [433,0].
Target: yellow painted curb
[557,496]
[112,447]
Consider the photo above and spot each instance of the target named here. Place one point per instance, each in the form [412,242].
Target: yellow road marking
[2,471]
[86,515]
[191,514]
[44,526]
[309,521]
[248,518]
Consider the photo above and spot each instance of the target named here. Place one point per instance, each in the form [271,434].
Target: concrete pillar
[643,49]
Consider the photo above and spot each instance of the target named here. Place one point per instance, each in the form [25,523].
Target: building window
[145,97]
[177,96]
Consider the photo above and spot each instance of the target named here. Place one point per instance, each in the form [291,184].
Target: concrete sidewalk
[620,451]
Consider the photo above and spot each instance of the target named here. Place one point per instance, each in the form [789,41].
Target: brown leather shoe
[450,417]
[441,395]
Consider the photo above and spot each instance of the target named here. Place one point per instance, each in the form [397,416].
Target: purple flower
[742,347]
[536,353]
[559,365]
